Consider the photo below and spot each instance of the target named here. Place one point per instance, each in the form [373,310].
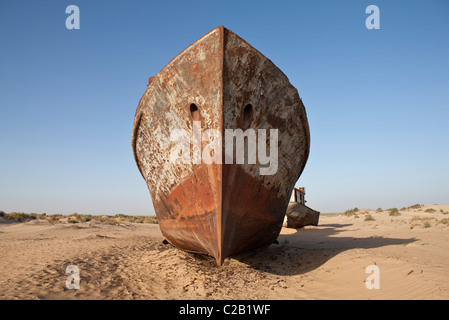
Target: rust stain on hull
[219,209]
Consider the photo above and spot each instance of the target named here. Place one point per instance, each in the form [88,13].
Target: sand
[328,261]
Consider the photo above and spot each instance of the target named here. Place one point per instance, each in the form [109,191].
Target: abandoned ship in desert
[208,200]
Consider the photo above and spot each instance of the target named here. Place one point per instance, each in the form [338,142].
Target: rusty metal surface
[299,215]
[219,209]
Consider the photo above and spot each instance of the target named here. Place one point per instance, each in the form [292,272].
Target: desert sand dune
[328,261]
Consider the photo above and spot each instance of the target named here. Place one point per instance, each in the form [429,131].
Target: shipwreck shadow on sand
[309,248]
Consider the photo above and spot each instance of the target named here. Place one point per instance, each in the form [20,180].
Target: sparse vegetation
[379,210]
[19,216]
[136,219]
[430,210]
[147,219]
[351,212]
[78,218]
[369,217]
[424,220]
[394,212]
[54,218]
[415,206]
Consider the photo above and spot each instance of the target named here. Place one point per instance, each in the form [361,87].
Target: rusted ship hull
[218,208]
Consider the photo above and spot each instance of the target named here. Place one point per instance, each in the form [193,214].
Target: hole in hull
[247,116]
[195,113]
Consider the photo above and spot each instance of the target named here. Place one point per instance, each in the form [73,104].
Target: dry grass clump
[146,219]
[135,219]
[415,206]
[369,217]
[54,218]
[78,218]
[394,212]
[20,216]
[351,212]
[425,221]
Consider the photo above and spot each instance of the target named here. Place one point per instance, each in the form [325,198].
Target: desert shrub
[110,219]
[102,218]
[37,216]
[415,206]
[19,216]
[72,219]
[351,212]
[425,221]
[122,216]
[78,218]
[151,219]
[146,219]
[369,217]
[54,217]
[139,220]
[394,212]
[379,210]
[430,210]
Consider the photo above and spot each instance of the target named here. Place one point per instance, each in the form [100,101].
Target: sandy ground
[329,261]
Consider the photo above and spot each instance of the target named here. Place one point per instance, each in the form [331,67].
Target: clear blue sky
[377,100]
